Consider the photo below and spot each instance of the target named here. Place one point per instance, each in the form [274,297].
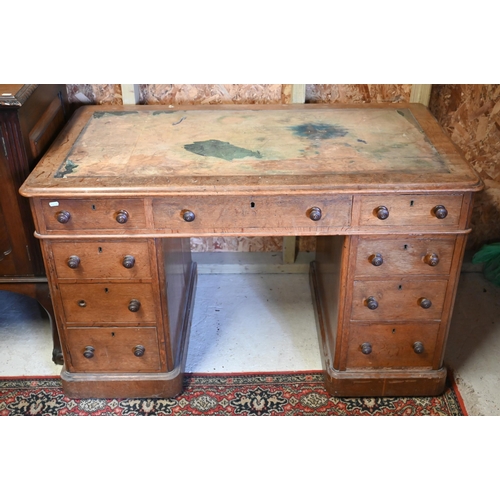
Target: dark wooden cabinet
[30,118]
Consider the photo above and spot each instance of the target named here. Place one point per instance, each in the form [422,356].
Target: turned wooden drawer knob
[89,352]
[128,261]
[382,212]
[315,213]
[122,216]
[139,350]
[73,261]
[134,305]
[440,211]
[366,348]
[188,216]
[425,303]
[63,216]
[431,259]
[418,347]
[371,303]
[376,260]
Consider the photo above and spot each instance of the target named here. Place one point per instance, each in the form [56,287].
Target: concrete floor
[265,322]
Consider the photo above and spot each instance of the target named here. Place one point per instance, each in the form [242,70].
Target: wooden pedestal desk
[122,189]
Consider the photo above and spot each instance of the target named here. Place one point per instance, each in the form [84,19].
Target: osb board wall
[215,94]
[357,93]
[470,114]
[94,93]
[185,93]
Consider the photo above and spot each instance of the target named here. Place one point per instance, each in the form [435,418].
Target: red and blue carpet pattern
[223,394]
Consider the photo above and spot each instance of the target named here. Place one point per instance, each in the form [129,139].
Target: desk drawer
[398,300]
[382,256]
[431,211]
[103,259]
[250,214]
[391,345]
[68,215]
[113,349]
[96,303]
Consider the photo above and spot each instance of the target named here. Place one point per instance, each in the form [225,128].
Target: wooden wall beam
[421,93]
[130,93]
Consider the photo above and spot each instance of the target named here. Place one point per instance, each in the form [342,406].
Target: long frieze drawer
[398,300]
[391,345]
[111,214]
[380,256]
[433,211]
[113,350]
[108,302]
[126,259]
[188,214]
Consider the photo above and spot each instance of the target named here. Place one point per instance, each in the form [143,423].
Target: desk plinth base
[368,383]
[124,385]
[137,385]
[379,383]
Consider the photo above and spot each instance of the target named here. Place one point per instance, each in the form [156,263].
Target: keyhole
[252,204]
[405,247]
[106,290]
[112,334]
[99,249]
[93,207]
[400,287]
[411,203]
[393,330]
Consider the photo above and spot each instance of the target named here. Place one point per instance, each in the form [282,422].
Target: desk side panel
[178,269]
[329,293]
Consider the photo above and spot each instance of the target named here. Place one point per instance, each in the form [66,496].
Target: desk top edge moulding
[268,148]
[123,188]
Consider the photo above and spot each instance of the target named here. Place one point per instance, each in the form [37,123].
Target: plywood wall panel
[357,93]
[470,114]
[181,94]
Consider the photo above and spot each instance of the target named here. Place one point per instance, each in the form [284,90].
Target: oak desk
[122,189]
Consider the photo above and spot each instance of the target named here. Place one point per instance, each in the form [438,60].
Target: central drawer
[398,300]
[113,349]
[293,214]
[116,303]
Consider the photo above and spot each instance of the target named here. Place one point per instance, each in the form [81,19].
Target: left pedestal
[123,307]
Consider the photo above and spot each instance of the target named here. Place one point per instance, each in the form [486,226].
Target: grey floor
[250,322]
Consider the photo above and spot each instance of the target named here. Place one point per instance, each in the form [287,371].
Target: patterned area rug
[223,394]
